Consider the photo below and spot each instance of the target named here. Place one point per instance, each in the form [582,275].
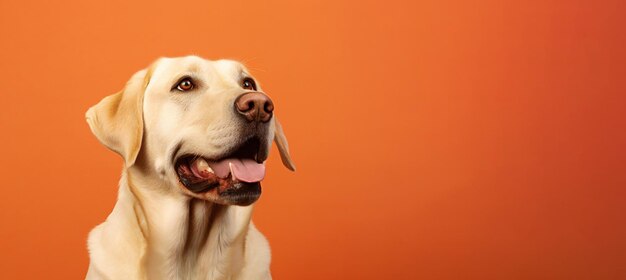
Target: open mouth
[234,178]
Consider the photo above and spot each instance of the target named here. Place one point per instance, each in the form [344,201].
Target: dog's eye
[248,83]
[185,85]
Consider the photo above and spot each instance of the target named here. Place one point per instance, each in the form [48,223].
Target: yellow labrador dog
[194,135]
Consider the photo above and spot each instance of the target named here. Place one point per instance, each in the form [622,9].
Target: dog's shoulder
[257,256]
[112,262]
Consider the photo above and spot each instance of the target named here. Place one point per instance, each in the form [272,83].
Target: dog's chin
[231,179]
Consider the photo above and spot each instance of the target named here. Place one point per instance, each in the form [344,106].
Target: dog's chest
[204,249]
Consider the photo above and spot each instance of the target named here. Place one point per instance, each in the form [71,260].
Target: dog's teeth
[202,165]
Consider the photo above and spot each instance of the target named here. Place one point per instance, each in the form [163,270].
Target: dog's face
[204,127]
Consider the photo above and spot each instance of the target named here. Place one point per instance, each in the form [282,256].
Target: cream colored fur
[158,229]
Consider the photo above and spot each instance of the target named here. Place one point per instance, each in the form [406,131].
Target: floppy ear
[117,120]
[283,147]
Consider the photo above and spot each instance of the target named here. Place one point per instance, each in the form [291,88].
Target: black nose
[254,106]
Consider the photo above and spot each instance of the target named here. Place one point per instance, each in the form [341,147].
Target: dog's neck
[183,237]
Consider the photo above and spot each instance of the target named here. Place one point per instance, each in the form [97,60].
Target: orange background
[434,139]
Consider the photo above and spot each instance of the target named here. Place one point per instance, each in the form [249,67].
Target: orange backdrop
[434,139]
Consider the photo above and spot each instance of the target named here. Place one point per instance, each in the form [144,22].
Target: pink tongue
[245,170]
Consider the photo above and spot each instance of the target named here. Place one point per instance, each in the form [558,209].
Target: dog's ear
[117,120]
[283,147]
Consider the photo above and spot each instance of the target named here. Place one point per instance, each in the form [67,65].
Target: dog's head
[203,126]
